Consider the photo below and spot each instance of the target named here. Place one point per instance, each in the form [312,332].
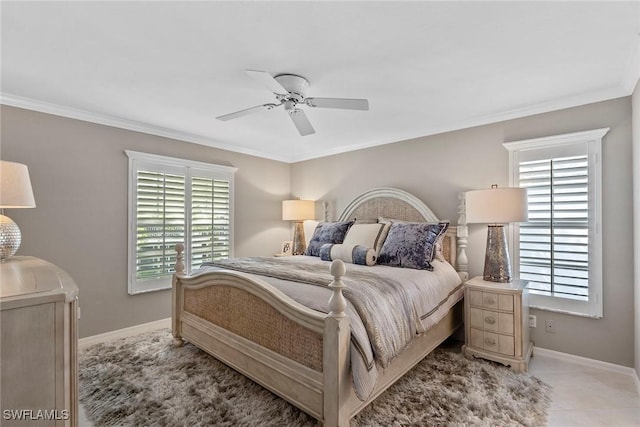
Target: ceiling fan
[289,90]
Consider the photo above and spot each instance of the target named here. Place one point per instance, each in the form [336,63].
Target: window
[559,250]
[176,201]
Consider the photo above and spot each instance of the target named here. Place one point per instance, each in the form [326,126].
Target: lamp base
[10,238]
[299,244]
[497,265]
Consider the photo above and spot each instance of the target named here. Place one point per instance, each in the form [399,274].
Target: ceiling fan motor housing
[295,85]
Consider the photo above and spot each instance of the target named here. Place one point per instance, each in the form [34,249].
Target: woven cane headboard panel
[389,203]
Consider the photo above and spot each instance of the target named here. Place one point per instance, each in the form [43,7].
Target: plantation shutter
[160,213]
[559,250]
[175,201]
[554,243]
[210,220]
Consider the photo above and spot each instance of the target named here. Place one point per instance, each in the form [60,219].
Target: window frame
[592,141]
[138,161]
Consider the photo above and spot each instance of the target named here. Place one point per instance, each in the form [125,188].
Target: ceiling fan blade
[344,103]
[245,112]
[301,121]
[267,80]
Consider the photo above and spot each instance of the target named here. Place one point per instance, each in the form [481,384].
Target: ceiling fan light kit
[289,91]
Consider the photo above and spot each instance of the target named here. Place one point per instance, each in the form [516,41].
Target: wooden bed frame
[301,354]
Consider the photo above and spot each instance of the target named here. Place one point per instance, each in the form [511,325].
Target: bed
[317,358]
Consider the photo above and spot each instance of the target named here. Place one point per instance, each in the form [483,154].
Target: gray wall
[437,168]
[79,177]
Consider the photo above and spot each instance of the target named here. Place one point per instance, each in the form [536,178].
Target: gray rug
[144,381]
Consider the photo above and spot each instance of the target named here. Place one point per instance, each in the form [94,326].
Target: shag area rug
[145,381]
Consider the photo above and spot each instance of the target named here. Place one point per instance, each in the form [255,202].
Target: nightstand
[497,322]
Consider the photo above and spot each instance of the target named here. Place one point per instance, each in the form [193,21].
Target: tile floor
[583,396]
[586,396]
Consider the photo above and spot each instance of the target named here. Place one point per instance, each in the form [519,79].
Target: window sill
[571,313]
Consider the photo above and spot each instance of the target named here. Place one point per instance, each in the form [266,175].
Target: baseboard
[593,363]
[125,332]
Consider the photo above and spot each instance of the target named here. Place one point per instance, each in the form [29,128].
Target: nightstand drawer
[493,342]
[505,302]
[491,321]
[491,300]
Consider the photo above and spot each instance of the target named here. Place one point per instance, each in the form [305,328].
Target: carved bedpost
[337,302]
[176,296]
[325,211]
[337,336]
[463,237]
[179,258]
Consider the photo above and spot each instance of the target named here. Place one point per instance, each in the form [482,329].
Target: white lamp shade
[496,205]
[298,210]
[15,186]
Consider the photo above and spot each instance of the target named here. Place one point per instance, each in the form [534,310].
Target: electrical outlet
[549,326]
[532,321]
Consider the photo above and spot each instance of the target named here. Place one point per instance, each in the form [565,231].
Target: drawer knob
[489,300]
[490,341]
[490,320]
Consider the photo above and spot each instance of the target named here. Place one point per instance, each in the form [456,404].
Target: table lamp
[298,211]
[496,207]
[15,192]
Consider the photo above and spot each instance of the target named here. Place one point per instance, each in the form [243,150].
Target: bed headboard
[398,204]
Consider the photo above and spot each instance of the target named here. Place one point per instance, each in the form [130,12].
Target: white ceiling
[169,68]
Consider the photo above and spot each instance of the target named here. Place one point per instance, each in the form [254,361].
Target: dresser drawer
[497,343]
[492,321]
[491,300]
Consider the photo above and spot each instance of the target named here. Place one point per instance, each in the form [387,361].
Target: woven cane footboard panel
[250,317]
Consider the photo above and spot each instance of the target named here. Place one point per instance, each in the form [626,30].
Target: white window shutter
[175,201]
[559,250]
[160,214]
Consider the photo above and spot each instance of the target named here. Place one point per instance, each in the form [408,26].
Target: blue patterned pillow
[411,245]
[327,232]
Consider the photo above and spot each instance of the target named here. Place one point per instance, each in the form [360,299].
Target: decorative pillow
[367,235]
[309,227]
[411,245]
[366,221]
[356,254]
[327,232]
[437,254]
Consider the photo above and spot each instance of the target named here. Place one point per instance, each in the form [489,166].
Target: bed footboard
[298,353]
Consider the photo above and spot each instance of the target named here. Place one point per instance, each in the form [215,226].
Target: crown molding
[546,107]
[118,122]
[122,123]
[631,75]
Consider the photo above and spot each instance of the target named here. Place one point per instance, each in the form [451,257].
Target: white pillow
[309,227]
[367,235]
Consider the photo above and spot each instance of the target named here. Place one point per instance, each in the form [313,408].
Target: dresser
[497,322]
[38,327]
